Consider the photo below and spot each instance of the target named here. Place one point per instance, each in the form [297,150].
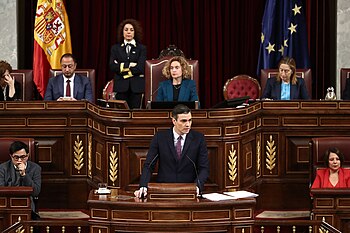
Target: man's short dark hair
[66,55]
[180,109]
[18,145]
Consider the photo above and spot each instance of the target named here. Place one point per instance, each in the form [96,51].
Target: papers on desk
[229,195]
[241,194]
[217,197]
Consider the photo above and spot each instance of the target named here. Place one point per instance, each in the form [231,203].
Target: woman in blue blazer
[286,86]
[178,87]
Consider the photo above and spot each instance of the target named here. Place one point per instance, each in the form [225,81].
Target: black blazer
[171,169]
[137,55]
[16,96]
[298,91]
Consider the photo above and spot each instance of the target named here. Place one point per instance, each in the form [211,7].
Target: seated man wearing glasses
[286,86]
[19,171]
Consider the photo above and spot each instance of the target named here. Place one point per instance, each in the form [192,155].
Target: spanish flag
[51,40]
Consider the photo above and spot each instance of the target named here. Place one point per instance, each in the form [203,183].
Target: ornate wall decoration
[78,154]
[232,164]
[113,165]
[258,155]
[90,155]
[270,154]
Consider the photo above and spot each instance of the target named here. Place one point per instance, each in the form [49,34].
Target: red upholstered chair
[5,145]
[107,90]
[153,76]
[242,85]
[344,75]
[320,144]
[302,73]
[25,78]
[90,73]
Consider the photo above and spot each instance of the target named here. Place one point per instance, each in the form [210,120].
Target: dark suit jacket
[137,55]
[346,92]
[16,96]
[82,88]
[171,169]
[10,177]
[273,90]
[188,91]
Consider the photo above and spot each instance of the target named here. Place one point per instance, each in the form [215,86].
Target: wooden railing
[285,226]
[76,226]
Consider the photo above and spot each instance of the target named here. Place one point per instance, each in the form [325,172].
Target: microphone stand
[198,181]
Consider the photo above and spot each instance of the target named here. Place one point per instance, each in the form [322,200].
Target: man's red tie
[178,147]
[68,88]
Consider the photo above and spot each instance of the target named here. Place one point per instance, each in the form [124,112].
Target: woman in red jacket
[334,176]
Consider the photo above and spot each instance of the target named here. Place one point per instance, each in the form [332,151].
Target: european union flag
[283,34]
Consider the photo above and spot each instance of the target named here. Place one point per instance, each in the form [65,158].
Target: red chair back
[242,85]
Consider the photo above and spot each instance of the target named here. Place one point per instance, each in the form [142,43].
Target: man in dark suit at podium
[182,154]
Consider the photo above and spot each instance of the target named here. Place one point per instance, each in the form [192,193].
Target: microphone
[198,181]
[148,173]
[150,97]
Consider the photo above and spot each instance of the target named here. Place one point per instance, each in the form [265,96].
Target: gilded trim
[78,154]
[113,165]
[270,155]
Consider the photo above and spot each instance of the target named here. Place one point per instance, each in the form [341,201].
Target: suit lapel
[61,85]
[189,138]
[171,143]
[183,90]
[77,85]
[170,91]
[279,84]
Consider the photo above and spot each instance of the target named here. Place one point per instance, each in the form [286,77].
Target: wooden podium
[14,203]
[171,191]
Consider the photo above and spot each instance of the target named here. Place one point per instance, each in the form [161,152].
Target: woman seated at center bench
[334,176]
[286,86]
[179,86]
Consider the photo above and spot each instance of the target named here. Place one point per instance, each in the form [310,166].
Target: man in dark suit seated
[19,171]
[68,86]
[182,154]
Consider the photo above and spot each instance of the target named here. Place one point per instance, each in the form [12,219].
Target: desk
[14,203]
[334,206]
[121,212]
[263,147]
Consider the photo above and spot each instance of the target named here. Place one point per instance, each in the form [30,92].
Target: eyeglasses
[17,157]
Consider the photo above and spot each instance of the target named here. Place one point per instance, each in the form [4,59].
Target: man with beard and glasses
[69,86]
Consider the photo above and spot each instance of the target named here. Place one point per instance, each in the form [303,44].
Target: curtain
[224,35]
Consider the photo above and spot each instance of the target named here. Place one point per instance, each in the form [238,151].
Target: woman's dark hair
[335,151]
[4,65]
[137,30]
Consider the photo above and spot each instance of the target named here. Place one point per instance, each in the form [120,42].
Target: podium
[14,203]
[171,191]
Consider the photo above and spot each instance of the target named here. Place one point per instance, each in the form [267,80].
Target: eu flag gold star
[285,43]
[292,28]
[270,48]
[296,9]
[281,50]
[262,37]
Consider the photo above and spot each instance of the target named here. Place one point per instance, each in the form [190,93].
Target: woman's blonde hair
[186,69]
[291,63]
